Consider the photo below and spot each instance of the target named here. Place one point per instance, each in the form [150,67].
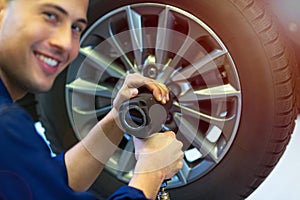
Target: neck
[15,92]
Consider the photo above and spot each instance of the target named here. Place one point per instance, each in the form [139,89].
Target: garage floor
[284,180]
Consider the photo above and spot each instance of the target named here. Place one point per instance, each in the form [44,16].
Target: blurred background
[283,182]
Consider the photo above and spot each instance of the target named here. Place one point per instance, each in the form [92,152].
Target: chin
[41,87]
[45,88]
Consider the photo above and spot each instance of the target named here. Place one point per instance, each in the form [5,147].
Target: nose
[61,38]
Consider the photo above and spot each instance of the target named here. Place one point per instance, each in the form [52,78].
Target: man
[38,39]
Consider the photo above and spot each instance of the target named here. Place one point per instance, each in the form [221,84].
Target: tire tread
[283,79]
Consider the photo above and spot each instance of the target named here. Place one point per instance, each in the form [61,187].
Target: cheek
[74,52]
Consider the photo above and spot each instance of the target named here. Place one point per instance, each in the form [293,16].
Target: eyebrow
[64,12]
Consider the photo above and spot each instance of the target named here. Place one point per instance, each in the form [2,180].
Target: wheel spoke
[186,45]
[120,50]
[218,121]
[102,63]
[165,24]
[85,118]
[218,92]
[135,26]
[206,64]
[87,87]
[183,174]
[101,32]
[98,112]
[191,133]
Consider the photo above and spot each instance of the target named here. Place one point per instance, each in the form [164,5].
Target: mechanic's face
[38,39]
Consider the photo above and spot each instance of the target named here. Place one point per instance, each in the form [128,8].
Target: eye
[77,28]
[50,16]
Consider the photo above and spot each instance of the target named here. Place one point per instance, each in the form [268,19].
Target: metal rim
[176,48]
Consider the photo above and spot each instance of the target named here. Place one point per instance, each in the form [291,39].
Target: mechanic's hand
[134,81]
[160,152]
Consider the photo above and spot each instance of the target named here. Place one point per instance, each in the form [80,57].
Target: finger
[124,94]
[170,133]
[179,164]
[174,168]
[159,90]
[165,92]
[133,92]
[136,80]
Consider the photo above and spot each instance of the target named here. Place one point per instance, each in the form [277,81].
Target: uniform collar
[4,95]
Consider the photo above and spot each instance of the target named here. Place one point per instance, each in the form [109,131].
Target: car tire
[267,116]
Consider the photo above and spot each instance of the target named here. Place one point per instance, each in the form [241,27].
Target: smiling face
[38,39]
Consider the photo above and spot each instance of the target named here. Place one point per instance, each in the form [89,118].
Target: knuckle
[172,133]
[180,164]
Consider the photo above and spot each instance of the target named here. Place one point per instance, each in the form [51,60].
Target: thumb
[133,92]
[124,95]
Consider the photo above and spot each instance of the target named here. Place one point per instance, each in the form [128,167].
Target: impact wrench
[142,116]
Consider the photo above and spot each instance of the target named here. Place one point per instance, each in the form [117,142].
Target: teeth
[49,61]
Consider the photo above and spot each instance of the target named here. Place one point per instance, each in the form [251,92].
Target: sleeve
[27,171]
[127,193]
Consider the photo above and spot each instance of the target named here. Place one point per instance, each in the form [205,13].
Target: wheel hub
[150,71]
